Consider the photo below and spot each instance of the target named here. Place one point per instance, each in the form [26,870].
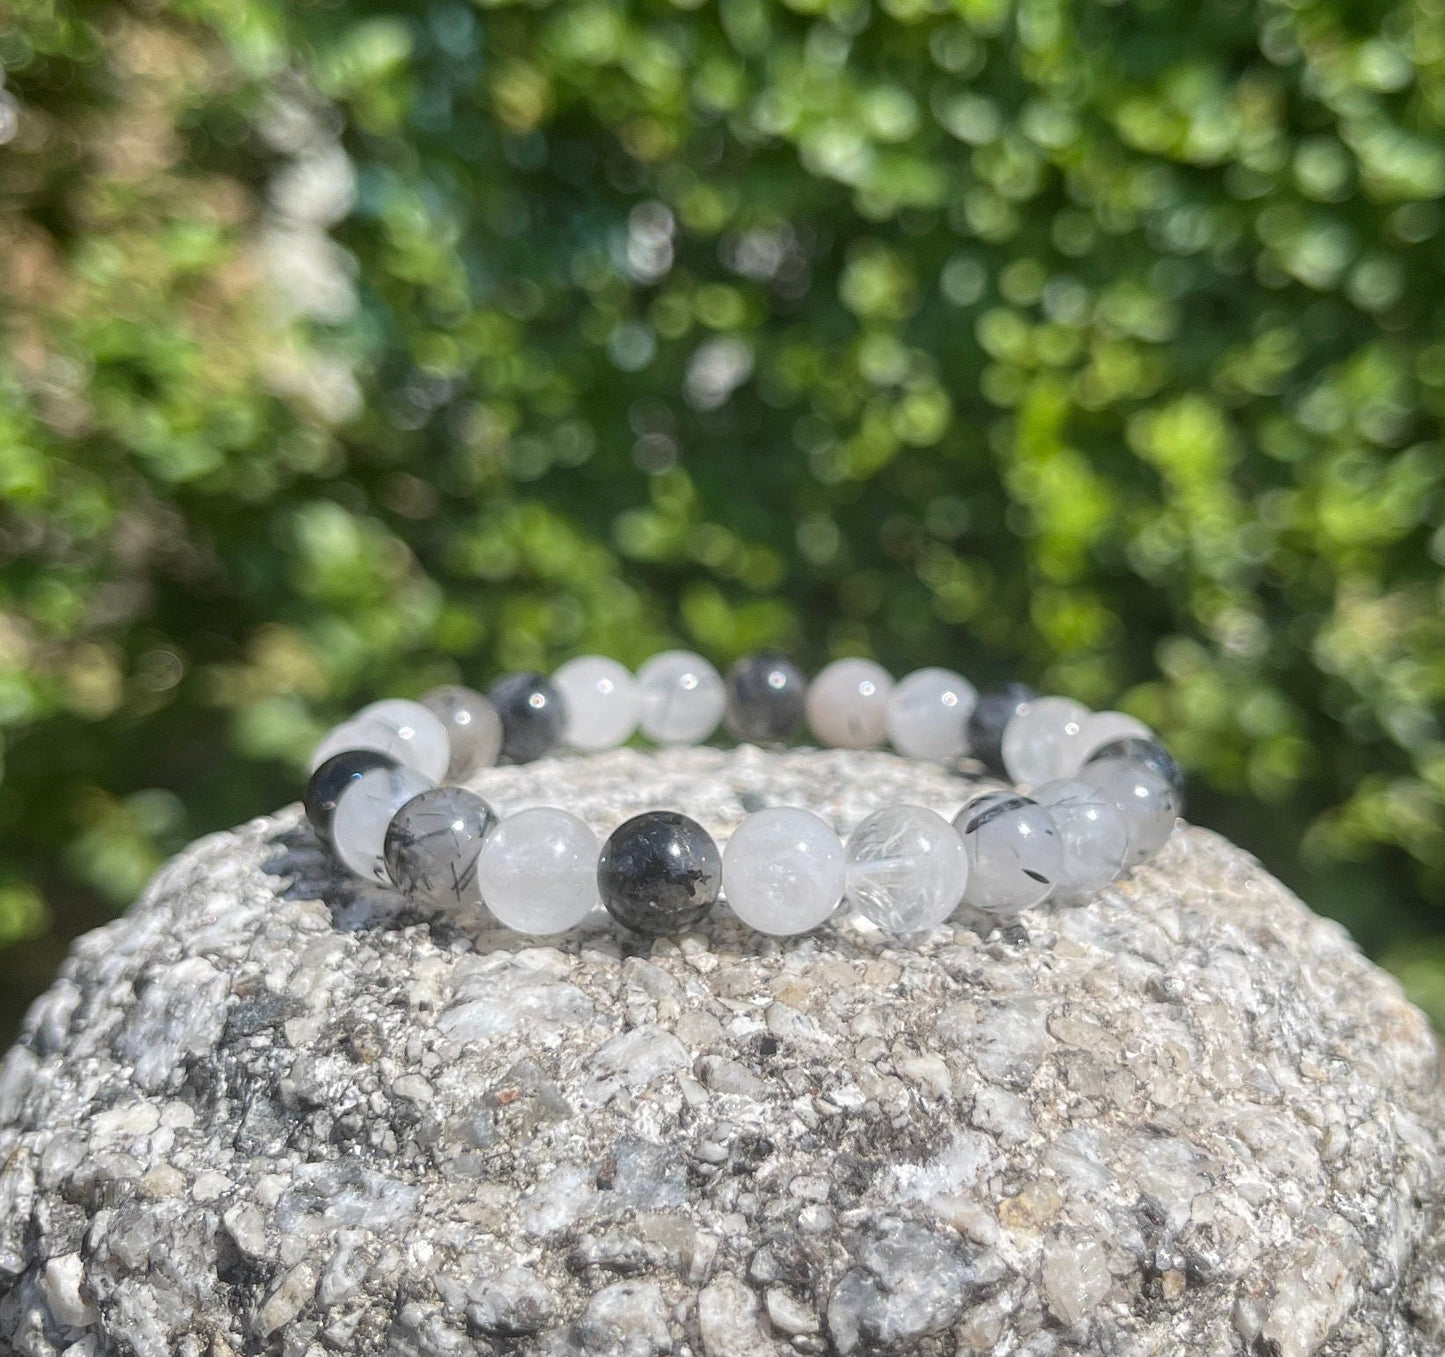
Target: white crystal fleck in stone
[906,868]
[537,871]
[927,714]
[1093,835]
[423,733]
[602,699]
[364,812]
[683,698]
[784,870]
[847,704]
[355,734]
[1035,742]
[1095,731]
[1014,854]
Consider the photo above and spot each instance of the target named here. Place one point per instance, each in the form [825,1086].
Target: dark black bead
[660,872]
[432,845]
[331,779]
[1149,753]
[533,714]
[766,696]
[992,713]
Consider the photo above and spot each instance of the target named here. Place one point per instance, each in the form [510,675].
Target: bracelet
[1096,794]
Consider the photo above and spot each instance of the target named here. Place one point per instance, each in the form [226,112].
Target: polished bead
[363,814]
[906,868]
[988,720]
[1036,741]
[1092,834]
[356,735]
[331,779]
[783,870]
[766,695]
[423,736]
[1148,752]
[473,727]
[432,845]
[1095,731]
[659,872]
[602,699]
[848,704]
[1014,853]
[928,713]
[537,871]
[533,715]
[1149,802]
[682,698]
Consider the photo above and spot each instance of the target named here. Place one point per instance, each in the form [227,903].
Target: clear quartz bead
[927,714]
[432,845]
[1093,835]
[355,735]
[1095,731]
[906,868]
[1149,803]
[683,698]
[364,813]
[847,704]
[602,700]
[1036,740]
[422,733]
[784,871]
[537,871]
[473,728]
[1014,854]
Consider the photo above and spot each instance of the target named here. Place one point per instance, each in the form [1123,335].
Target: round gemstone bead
[659,872]
[848,704]
[356,735]
[906,868]
[1095,731]
[363,814]
[432,844]
[1149,803]
[1092,834]
[766,695]
[1151,754]
[928,714]
[532,712]
[334,777]
[783,871]
[1036,741]
[423,736]
[682,698]
[537,871]
[602,700]
[988,720]
[1014,854]
[473,728]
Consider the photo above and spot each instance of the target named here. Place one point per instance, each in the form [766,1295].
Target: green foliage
[349,348]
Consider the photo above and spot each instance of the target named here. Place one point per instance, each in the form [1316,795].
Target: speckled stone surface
[274,1111]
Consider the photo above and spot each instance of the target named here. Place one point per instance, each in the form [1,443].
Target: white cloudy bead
[1095,731]
[602,700]
[364,812]
[847,704]
[537,871]
[783,871]
[1014,853]
[927,714]
[1034,741]
[906,868]
[355,734]
[683,698]
[1149,804]
[1092,834]
[423,733]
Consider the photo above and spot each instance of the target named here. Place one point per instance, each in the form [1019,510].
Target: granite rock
[276,1111]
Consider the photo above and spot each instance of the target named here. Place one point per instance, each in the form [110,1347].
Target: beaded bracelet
[1103,796]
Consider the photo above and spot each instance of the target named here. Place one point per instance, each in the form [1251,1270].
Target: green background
[351,347]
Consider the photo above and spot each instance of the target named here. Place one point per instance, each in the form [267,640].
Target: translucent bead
[906,868]
[602,700]
[432,845]
[473,727]
[364,812]
[928,714]
[848,704]
[1092,834]
[990,717]
[682,698]
[1149,803]
[1096,730]
[422,733]
[1150,753]
[784,871]
[765,699]
[1035,742]
[332,778]
[1014,853]
[533,715]
[659,872]
[354,734]
[537,871]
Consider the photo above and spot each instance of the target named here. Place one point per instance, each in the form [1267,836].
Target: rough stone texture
[271,1111]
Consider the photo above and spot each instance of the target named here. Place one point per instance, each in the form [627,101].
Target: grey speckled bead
[473,727]
[766,695]
[906,868]
[659,872]
[848,704]
[363,815]
[534,715]
[1014,854]
[1093,835]
[432,845]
